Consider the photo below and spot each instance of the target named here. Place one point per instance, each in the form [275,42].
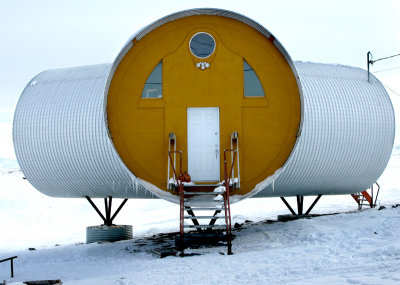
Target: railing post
[12,267]
[181,215]
[228,219]
[377,193]
[11,259]
[181,196]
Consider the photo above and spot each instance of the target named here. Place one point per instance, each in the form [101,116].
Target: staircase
[211,207]
[211,201]
[366,199]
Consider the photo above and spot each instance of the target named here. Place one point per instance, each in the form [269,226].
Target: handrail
[11,259]
[377,193]
[227,207]
[228,176]
[173,166]
[235,138]
[363,196]
[171,141]
[181,195]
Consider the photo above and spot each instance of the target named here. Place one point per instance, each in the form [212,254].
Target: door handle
[216,153]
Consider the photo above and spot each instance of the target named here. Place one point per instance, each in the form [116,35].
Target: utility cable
[373,61]
[386,69]
[390,89]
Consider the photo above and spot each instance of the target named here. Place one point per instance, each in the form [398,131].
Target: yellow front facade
[267,126]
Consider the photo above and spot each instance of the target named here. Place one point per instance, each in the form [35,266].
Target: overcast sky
[39,35]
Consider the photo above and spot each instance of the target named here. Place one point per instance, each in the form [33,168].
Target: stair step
[218,206]
[205,226]
[201,193]
[203,217]
[194,208]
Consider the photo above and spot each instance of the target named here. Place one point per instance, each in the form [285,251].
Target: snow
[352,247]
[219,198]
[220,189]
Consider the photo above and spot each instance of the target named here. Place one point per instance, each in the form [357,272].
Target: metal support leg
[288,206]
[313,204]
[300,205]
[107,210]
[300,200]
[212,222]
[97,210]
[119,209]
[108,219]
[194,221]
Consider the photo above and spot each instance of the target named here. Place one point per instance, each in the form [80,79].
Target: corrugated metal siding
[108,233]
[60,137]
[347,136]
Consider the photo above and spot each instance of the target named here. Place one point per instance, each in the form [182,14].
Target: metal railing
[227,207]
[11,259]
[178,180]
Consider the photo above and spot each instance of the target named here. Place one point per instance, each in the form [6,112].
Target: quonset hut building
[203,81]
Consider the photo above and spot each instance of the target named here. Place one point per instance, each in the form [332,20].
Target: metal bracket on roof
[370,61]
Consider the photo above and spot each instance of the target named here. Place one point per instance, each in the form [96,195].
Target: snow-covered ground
[349,248]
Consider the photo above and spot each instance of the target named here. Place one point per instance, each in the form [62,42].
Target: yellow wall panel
[267,126]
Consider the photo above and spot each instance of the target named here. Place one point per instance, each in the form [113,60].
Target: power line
[390,89]
[386,69]
[370,61]
[373,61]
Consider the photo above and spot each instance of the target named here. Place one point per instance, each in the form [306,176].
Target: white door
[203,143]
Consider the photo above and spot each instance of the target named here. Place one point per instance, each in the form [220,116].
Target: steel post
[288,206]
[12,268]
[119,209]
[313,204]
[300,200]
[212,222]
[96,209]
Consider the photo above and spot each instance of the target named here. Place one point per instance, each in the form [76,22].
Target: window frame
[215,45]
[258,80]
[147,83]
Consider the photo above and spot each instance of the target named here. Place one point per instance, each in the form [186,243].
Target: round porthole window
[202,45]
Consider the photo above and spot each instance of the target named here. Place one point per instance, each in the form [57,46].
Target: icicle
[136,186]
